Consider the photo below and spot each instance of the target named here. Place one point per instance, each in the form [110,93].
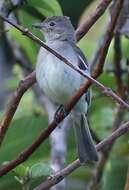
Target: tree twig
[84,28]
[117,63]
[127,75]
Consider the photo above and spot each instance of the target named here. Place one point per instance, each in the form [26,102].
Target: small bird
[59,82]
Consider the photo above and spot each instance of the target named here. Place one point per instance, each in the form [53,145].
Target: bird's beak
[38,25]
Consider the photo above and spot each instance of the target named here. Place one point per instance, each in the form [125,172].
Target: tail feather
[86,148]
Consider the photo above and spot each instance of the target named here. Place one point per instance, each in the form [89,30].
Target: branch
[84,28]
[117,63]
[57,177]
[45,133]
[107,38]
[127,63]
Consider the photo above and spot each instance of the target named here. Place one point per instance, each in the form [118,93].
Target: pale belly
[57,80]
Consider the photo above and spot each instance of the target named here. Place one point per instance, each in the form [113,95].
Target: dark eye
[52,23]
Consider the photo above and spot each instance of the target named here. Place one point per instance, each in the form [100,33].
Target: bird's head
[57,28]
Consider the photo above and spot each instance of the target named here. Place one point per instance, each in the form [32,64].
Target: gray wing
[88,97]
[82,62]
[83,65]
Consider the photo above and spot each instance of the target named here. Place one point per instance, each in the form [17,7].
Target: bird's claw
[60,112]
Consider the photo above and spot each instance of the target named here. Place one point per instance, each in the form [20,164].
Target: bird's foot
[60,112]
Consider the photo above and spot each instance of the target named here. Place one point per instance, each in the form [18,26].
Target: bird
[59,82]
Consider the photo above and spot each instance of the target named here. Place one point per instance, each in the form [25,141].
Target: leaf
[47,8]
[20,171]
[28,45]
[38,9]
[33,11]
[115,174]
[39,170]
[21,134]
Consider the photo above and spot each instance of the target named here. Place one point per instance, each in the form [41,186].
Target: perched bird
[59,82]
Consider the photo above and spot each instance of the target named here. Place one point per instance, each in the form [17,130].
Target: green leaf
[28,45]
[47,8]
[115,174]
[39,170]
[34,12]
[21,134]
[38,10]
[20,171]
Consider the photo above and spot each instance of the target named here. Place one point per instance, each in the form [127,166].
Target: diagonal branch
[45,133]
[117,63]
[57,177]
[84,28]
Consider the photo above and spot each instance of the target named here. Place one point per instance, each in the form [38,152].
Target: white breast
[58,81]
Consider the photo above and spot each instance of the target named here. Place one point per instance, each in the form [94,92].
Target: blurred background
[18,58]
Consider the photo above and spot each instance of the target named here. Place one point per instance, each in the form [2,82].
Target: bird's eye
[52,23]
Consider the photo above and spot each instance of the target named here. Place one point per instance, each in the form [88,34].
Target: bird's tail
[86,148]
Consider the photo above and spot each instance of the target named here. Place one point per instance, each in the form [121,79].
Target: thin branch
[108,37]
[57,177]
[127,63]
[117,63]
[84,28]
[45,133]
